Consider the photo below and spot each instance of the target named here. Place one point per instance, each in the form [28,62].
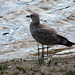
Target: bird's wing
[47,35]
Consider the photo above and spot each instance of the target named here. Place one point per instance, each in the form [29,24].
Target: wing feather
[45,36]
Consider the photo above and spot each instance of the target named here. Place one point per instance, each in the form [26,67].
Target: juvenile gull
[45,34]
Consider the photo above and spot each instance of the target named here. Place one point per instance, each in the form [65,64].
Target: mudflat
[58,66]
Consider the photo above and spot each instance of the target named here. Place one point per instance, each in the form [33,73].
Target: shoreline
[58,66]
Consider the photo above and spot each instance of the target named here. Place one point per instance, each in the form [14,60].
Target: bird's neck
[36,22]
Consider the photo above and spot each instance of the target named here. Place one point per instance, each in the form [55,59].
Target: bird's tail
[73,43]
[64,41]
[69,44]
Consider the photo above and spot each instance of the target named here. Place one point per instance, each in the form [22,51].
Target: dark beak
[28,16]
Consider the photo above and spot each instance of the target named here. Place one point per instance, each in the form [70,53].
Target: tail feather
[73,43]
[64,41]
[69,44]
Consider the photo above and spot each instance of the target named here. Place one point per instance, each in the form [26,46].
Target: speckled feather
[45,34]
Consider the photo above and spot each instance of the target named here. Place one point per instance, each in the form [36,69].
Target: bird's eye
[32,15]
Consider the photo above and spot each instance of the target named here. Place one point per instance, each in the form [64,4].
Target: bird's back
[44,34]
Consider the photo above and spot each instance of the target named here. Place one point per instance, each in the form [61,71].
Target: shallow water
[15,37]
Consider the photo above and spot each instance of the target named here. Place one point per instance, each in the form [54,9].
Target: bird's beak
[28,16]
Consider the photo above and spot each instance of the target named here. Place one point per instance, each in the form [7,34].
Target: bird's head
[34,17]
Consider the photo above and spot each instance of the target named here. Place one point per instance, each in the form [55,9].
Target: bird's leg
[43,53]
[42,50]
[38,52]
[47,50]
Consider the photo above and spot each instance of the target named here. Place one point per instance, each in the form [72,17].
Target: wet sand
[15,37]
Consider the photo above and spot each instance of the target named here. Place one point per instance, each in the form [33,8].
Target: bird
[46,35]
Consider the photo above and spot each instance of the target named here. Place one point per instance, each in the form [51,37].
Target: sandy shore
[58,15]
[58,66]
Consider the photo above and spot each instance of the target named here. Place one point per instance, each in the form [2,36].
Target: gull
[46,35]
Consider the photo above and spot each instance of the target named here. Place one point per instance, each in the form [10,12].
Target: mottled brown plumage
[45,34]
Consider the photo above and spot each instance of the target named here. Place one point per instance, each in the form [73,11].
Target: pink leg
[47,50]
[42,53]
[42,50]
